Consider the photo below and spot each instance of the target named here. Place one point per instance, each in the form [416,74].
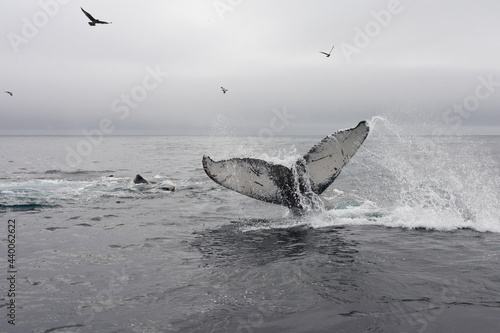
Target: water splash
[435,182]
[308,200]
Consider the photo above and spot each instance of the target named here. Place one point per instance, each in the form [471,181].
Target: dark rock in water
[139,180]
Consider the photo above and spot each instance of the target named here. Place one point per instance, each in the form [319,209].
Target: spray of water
[437,182]
[309,201]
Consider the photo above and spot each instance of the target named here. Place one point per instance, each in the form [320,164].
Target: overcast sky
[159,67]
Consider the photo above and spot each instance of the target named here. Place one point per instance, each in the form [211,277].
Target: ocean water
[407,239]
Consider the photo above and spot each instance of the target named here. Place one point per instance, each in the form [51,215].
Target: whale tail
[278,184]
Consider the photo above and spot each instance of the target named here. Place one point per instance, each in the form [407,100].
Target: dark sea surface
[408,239]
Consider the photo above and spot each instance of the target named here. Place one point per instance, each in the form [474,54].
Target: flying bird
[223,90]
[93,21]
[10,93]
[327,54]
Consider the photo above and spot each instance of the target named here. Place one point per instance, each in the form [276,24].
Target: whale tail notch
[276,183]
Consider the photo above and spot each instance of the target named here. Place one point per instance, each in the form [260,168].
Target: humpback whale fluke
[93,21]
[278,184]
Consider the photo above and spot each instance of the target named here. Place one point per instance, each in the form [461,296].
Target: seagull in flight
[93,21]
[10,93]
[327,54]
[223,90]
